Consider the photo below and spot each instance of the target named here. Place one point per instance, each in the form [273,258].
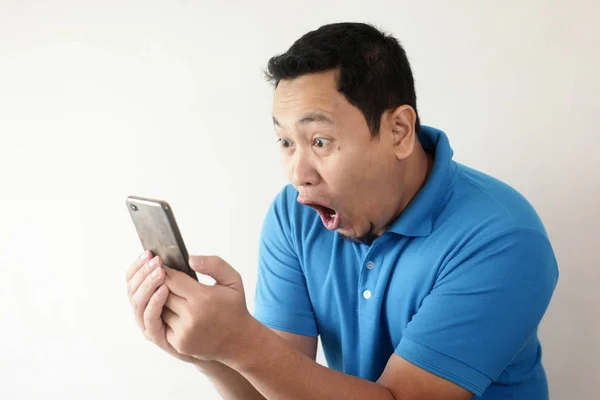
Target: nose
[303,172]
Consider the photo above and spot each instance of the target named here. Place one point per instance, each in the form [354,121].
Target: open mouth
[329,216]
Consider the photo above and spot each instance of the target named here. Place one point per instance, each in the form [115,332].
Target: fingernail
[154,262]
[144,256]
[155,273]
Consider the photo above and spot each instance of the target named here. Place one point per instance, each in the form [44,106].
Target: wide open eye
[321,142]
[284,143]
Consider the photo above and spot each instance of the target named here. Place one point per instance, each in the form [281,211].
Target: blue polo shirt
[457,285]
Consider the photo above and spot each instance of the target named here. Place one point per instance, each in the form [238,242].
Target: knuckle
[162,294]
[210,260]
[138,311]
[149,286]
[152,314]
[147,283]
[155,298]
[150,329]
[147,268]
[134,305]
[149,332]
[150,311]
[132,267]
[138,305]
[147,313]
[130,289]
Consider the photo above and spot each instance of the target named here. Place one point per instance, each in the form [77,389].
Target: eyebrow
[313,116]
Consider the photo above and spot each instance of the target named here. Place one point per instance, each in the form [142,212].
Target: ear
[401,122]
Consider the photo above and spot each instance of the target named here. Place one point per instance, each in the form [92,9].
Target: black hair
[374,73]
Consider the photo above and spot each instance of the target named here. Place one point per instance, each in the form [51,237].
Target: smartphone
[157,229]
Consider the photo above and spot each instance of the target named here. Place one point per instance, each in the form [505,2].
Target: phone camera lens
[133,207]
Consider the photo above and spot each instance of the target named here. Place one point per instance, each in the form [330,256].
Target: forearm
[280,372]
[229,383]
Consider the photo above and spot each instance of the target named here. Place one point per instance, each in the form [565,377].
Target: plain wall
[99,100]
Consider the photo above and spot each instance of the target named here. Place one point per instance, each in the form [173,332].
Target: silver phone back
[158,231]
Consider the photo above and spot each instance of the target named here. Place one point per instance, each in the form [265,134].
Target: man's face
[331,158]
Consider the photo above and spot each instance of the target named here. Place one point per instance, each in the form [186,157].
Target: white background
[99,100]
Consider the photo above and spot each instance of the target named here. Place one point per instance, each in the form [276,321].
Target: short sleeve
[485,305]
[281,299]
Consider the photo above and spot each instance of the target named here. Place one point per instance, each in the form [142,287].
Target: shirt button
[370,265]
[367,294]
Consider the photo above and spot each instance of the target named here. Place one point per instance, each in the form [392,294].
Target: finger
[141,260]
[169,318]
[142,296]
[152,314]
[218,269]
[181,284]
[170,335]
[141,274]
[176,304]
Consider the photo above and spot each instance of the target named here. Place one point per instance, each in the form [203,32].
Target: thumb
[218,269]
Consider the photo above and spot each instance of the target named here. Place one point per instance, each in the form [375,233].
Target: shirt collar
[417,219]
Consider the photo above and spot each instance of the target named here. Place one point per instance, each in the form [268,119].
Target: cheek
[353,174]
[359,183]
[349,182]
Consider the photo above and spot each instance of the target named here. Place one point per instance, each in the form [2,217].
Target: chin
[353,237]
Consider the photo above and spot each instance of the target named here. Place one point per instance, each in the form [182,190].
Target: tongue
[329,218]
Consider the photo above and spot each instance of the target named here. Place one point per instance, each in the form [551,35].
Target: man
[424,279]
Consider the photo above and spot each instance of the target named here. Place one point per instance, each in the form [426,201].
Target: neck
[415,178]
[415,173]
